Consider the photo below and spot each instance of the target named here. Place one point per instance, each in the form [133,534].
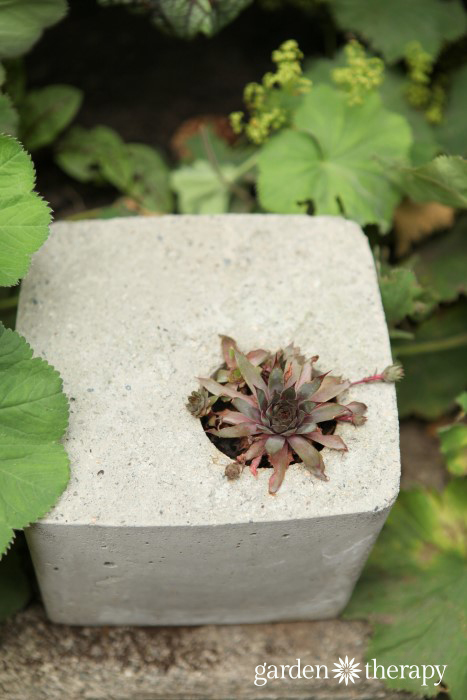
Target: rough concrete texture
[149,530]
[40,661]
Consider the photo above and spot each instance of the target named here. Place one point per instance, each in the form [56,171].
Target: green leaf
[15,590]
[45,113]
[441,264]
[453,441]
[390,26]
[187,18]
[335,159]
[400,292]
[202,190]
[425,142]
[8,116]
[414,588]
[434,363]
[149,182]
[452,132]
[24,217]
[443,180]
[425,145]
[99,155]
[33,417]
[205,142]
[22,23]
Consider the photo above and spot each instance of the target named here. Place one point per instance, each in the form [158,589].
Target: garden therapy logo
[346,671]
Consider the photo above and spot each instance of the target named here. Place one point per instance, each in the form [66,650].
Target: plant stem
[425,346]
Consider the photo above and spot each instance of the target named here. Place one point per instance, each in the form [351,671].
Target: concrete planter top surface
[129,312]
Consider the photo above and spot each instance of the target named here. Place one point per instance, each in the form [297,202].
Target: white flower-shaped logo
[346,670]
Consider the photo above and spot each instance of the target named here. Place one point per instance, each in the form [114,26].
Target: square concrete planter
[149,531]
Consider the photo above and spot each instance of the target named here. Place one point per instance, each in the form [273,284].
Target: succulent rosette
[275,404]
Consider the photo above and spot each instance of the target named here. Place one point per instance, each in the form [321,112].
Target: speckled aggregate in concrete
[129,311]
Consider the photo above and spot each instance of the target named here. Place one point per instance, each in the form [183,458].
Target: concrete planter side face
[129,311]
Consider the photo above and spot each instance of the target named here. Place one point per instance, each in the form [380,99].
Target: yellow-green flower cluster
[267,101]
[361,74]
[419,64]
[420,94]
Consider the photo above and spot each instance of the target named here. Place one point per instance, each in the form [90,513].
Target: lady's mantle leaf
[415,584]
[391,26]
[24,217]
[33,417]
[22,22]
[335,159]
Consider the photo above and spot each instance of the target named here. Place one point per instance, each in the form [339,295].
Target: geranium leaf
[415,588]
[46,112]
[391,26]
[22,23]
[335,159]
[24,216]
[33,417]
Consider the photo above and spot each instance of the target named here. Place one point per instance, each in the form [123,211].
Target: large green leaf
[24,216]
[452,132]
[435,363]
[335,159]
[442,180]
[15,590]
[390,26]
[46,112]
[415,588]
[100,155]
[22,23]
[33,417]
[425,145]
[441,264]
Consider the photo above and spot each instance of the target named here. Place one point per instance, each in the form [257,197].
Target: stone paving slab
[43,661]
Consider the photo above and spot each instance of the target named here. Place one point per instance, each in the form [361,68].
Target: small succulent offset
[275,402]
